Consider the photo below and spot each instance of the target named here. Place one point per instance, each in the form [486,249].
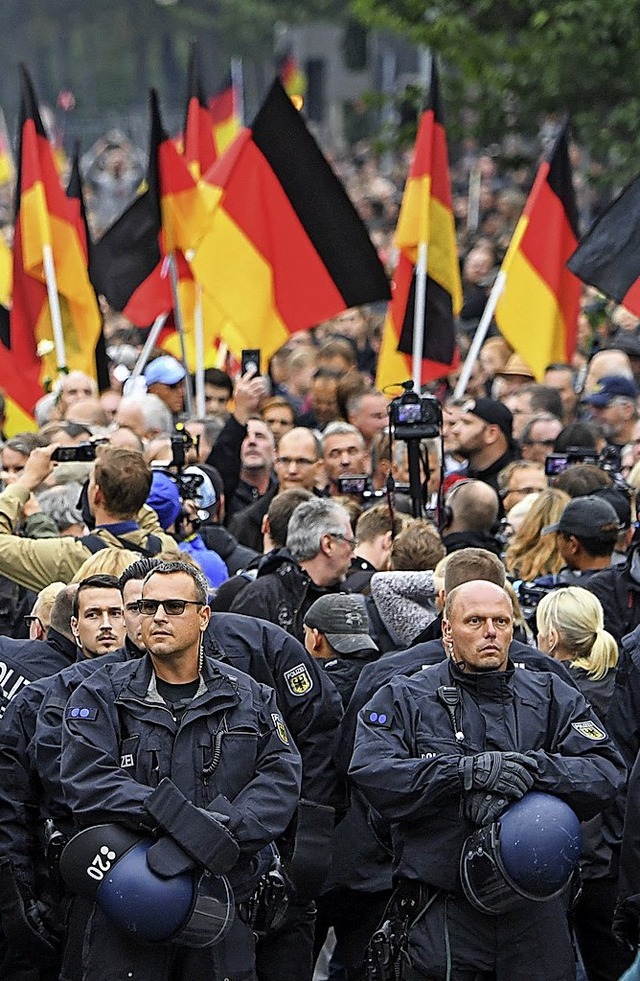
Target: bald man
[444,753]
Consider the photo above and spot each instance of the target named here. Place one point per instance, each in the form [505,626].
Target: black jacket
[235,556]
[23,661]
[282,593]
[619,595]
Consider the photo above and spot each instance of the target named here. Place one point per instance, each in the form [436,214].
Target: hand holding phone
[250,358]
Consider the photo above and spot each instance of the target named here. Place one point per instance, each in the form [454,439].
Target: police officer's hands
[166,858]
[38,467]
[483,807]
[626,923]
[508,774]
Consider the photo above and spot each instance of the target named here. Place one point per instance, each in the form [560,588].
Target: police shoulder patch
[590,730]
[298,680]
[281,729]
[379,719]
[85,714]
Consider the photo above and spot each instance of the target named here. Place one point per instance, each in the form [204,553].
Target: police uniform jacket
[229,753]
[35,563]
[309,703]
[406,755]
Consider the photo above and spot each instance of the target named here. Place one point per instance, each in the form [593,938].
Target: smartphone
[80,453]
[250,359]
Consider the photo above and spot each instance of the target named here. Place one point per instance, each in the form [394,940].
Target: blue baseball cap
[609,388]
[165,370]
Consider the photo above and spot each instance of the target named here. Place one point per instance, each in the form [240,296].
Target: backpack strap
[95,544]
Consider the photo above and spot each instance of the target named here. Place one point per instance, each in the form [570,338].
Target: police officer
[447,751]
[29,898]
[198,755]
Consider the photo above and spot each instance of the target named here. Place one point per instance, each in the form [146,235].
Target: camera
[414,416]
[353,485]
[80,453]
[608,460]
[181,441]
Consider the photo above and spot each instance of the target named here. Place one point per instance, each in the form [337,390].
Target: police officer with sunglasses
[190,751]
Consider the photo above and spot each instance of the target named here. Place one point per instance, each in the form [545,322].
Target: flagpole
[199,345]
[177,314]
[54,307]
[418,316]
[480,334]
[149,344]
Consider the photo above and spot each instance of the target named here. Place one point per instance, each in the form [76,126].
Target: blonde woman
[531,554]
[571,629]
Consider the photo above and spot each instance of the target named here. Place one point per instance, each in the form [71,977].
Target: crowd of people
[268,713]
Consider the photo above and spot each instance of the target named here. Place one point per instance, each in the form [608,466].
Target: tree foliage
[515,61]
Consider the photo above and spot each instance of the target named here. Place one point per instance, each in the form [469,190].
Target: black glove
[23,920]
[483,807]
[167,859]
[508,774]
[626,923]
[201,833]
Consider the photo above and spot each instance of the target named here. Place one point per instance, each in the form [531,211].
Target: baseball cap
[610,387]
[625,340]
[165,370]
[493,412]
[205,493]
[585,517]
[344,622]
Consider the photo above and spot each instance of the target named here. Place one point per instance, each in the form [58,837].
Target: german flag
[45,231]
[127,264]
[426,216]
[286,249]
[224,109]
[76,197]
[537,312]
[608,257]
[200,151]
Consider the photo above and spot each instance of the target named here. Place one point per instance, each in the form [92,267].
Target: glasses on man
[353,542]
[172,607]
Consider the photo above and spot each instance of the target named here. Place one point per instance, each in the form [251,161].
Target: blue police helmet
[108,865]
[530,853]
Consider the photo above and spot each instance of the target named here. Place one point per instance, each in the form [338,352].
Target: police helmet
[530,852]
[107,864]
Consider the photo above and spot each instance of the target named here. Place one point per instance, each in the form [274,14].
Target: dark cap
[493,412]
[343,619]
[611,387]
[586,517]
[619,500]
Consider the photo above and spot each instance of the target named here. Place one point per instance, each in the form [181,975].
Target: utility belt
[387,956]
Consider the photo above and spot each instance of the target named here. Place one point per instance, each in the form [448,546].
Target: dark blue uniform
[121,740]
[406,764]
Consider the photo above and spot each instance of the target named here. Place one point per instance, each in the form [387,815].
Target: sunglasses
[172,607]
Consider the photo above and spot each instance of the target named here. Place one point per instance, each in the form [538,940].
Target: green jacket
[35,563]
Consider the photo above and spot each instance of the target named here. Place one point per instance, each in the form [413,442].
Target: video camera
[415,417]
[360,485]
[607,460]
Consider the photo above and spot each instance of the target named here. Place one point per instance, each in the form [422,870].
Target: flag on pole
[608,257]
[426,216]
[200,150]
[75,195]
[225,109]
[45,226]
[286,248]
[537,312]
